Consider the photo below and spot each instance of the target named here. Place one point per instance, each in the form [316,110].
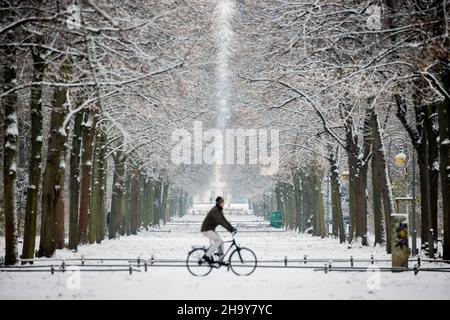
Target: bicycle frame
[233,244]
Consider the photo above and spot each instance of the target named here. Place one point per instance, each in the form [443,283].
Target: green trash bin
[276,219]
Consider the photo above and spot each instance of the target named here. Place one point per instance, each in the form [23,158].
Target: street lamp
[399,222]
[400,160]
[345,176]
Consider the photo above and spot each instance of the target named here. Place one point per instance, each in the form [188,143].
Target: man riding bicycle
[214,218]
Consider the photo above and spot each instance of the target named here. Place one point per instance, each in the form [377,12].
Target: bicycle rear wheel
[243,261]
[195,263]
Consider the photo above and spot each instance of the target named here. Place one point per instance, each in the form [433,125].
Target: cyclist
[214,218]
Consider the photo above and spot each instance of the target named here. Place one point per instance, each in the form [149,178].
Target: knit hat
[219,200]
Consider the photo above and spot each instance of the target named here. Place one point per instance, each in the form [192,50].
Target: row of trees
[85,86]
[356,75]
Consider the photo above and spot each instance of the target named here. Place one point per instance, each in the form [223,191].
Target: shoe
[208,259]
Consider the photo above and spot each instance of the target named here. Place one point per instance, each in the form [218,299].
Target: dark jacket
[214,218]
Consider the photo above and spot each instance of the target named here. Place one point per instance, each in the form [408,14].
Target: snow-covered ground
[178,283]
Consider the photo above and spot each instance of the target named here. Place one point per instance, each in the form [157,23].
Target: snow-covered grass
[178,283]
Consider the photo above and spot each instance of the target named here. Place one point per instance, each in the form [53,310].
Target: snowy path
[177,283]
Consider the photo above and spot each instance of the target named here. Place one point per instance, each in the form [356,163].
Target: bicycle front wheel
[195,263]
[243,261]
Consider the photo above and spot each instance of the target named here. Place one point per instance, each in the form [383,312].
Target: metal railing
[224,231]
[139,264]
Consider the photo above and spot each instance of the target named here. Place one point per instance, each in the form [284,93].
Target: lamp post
[329,219]
[430,224]
[399,233]
[345,177]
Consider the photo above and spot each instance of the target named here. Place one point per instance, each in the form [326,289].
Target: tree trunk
[180,203]
[60,208]
[351,202]
[10,124]
[358,165]
[424,188]
[35,160]
[319,211]
[360,204]
[433,158]
[118,194]
[126,221]
[336,202]
[53,180]
[164,201]
[444,138]
[148,202]
[86,172]
[157,203]
[293,202]
[95,216]
[353,186]
[134,201]
[172,204]
[102,181]
[428,185]
[287,200]
[306,203]
[382,176]
[74,180]
[278,197]
[185,203]
[376,201]
[321,217]
[141,201]
[352,153]
[298,202]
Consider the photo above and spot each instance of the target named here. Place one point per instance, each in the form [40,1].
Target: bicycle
[240,259]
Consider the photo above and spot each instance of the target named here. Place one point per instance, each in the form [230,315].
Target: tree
[86,172]
[157,203]
[336,204]
[126,221]
[299,223]
[96,196]
[35,159]
[134,201]
[75,180]
[118,195]
[165,212]
[102,182]
[381,181]
[422,135]
[148,203]
[358,159]
[11,133]
[444,147]
[52,223]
